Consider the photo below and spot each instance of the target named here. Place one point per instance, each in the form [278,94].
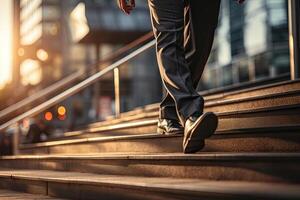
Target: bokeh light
[42,55]
[31,72]
[48,116]
[61,110]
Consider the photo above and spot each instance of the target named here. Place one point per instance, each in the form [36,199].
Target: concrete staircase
[255,154]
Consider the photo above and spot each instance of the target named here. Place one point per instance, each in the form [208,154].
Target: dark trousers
[184,32]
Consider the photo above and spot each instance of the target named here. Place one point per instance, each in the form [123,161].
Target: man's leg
[197,45]
[167,108]
[168,26]
[168,121]
[201,19]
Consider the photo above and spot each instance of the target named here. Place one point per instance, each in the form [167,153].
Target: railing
[8,112]
[92,79]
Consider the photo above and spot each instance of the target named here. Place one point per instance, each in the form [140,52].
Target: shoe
[169,127]
[197,129]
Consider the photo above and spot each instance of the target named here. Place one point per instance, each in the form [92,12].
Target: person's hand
[240,1]
[126,7]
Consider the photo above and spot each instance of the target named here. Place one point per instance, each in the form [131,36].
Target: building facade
[251,43]
[40,39]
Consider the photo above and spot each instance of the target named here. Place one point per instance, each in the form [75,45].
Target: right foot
[197,129]
[169,127]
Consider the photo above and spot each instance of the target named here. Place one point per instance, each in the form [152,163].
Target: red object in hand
[126,5]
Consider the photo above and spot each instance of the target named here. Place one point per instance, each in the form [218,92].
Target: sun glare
[5,41]
[31,72]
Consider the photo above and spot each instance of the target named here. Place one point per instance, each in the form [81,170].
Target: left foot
[169,127]
[197,129]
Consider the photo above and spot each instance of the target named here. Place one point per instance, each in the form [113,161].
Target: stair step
[125,117]
[126,128]
[269,89]
[268,139]
[13,195]
[259,167]
[94,186]
[282,102]
[253,92]
[228,122]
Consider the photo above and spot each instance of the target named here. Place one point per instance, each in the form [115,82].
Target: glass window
[251,43]
[51,13]
[32,36]
[28,24]
[29,7]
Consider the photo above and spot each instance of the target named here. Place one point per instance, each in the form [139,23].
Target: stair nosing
[251,89]
[243,99]
[154,121]
[161,184]
[224,102]
[250,156]
[112,127]
[257,129]
[95,139]
[151,136]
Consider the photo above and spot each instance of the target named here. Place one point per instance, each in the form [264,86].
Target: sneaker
[169,127]
[197,129]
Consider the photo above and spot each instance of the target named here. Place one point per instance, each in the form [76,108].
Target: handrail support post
[294,37]
[97,85]
[117,92]
[16,139]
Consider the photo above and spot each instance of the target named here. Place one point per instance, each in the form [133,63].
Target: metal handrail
[60,84]
[77,88]
[46,91]
[121,51]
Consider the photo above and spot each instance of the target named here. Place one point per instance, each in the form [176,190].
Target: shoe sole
[204,127]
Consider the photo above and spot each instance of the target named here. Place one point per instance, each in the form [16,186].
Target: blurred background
[47,41]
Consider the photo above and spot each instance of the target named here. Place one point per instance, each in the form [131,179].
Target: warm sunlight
[31,72]
[5,41]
